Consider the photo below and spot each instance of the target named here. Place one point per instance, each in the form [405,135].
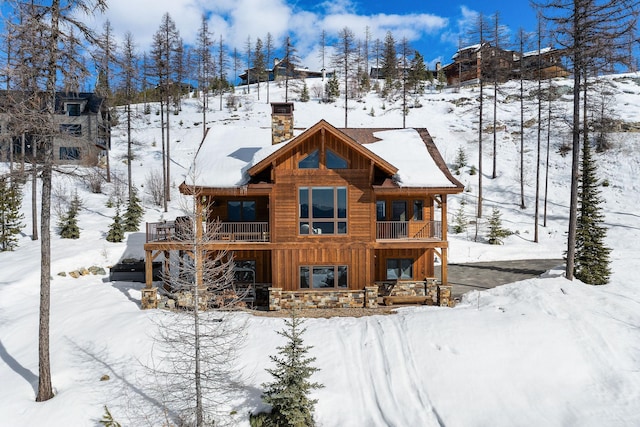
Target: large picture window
[323,210]
[241,210]
[323,277]
[399,268]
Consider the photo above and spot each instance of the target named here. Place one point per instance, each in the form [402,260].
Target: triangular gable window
[312,161]
[334,161]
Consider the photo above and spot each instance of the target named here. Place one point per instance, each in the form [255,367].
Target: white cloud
[235,20]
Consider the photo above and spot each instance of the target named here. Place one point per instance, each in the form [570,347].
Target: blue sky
[432,27]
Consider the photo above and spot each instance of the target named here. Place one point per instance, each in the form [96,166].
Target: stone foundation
[285,300]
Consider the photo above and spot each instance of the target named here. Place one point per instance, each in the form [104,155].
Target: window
[334,161]
[323,277]
[323,210]
[381,210]
[241,210]
[69,153]
[73,109]
[417,210]
[399,210]
[399,268]
[312,161]
[71,129]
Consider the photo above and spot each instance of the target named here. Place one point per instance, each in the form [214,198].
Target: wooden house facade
[327,218]
[490,62]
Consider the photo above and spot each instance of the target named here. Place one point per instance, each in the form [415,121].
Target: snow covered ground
[542,352]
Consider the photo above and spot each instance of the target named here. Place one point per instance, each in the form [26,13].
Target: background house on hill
[472,62]
[81,133]
[281,68]
[544,64]
[327,218]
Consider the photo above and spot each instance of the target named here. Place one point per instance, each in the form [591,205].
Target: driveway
[486,275]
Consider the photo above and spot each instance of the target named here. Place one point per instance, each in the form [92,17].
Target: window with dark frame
[418,206]
[323,277]
[399,268]
[69,153]
[73,109]
[322,210]
[241,210]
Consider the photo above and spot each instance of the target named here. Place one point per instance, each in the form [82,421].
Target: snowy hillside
[542,352]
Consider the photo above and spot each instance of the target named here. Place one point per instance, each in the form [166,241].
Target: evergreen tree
[333,88]
[68,224]
[304,93]
[592,256]
[496,231]
[288,394]
[389,63]
[10,216]
[460,220]
[116,231]
[133,215]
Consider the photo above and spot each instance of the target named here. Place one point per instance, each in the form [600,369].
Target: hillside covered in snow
[545,351]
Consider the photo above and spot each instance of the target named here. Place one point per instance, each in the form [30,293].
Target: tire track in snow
[398,390]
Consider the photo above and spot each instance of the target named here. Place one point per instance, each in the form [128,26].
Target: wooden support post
[444,274]
[148,269]
[443,212]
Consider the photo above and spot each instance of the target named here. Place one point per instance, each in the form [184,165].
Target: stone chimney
[281,122]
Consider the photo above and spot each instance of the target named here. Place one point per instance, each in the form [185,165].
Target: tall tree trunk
[164,157]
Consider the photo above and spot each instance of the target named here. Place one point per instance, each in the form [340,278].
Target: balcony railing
[178,231]
[398,230]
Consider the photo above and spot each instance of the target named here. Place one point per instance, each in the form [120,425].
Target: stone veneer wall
[285,300]
[281,128]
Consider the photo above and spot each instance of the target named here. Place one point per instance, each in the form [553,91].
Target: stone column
[149,298]
[371,296]
[275,296]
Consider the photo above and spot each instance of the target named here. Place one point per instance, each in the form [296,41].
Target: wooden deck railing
[394,230]
[226,231]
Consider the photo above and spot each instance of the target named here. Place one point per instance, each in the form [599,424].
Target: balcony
[407,230]
[180,231]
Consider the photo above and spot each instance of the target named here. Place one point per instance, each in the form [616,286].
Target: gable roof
[229,156]
[324,125]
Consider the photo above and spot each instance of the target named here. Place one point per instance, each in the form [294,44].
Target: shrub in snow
[133,215]
[10,216]
[288,394]
[68,224]
[496,232]
[116,231]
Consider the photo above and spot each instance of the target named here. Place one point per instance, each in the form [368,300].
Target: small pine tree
[133,214]
[496,232]
[107,419]
[304,93]
[460,220]
[461,158]
[10,215]
[591,256]
[68,225]
[333,88]
[116,231]
[288,394]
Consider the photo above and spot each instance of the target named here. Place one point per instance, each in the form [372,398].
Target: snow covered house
[325,218]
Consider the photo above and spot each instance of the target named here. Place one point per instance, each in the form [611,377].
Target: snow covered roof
[535,52]
[226,155]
